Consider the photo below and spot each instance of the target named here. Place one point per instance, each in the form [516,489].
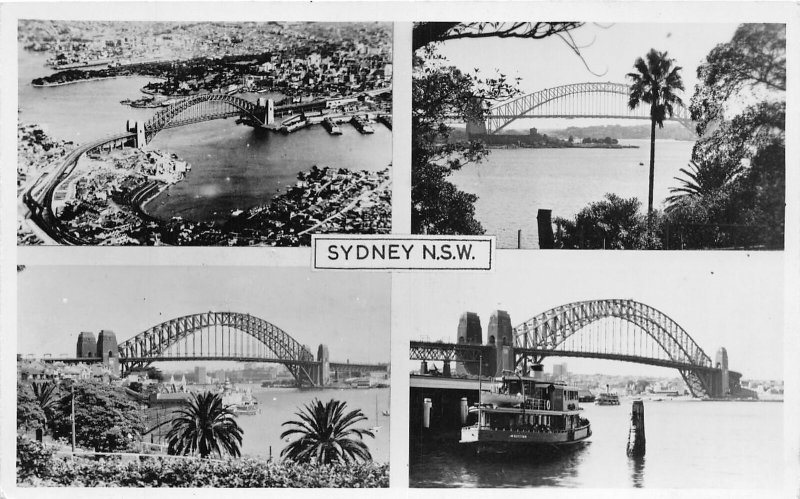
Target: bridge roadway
[461,352]
[39,198]
[338,366]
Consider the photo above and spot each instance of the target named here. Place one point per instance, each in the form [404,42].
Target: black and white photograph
[202,134]
[223,377]
[579,135]
[226,227]
[596,378]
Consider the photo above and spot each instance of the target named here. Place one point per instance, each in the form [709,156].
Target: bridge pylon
[268,106]
[322,371]
[501,336]
[469,332]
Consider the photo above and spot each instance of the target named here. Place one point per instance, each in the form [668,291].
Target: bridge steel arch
[569,101]
[199,108]
[549,330]
[148,346]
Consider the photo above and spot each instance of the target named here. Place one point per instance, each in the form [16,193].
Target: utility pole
[72,387]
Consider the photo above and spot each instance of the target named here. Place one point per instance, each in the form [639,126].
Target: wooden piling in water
[636,438]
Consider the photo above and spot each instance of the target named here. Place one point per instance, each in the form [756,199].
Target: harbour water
[277,405]
[691,444]
[513,184]
[233,166]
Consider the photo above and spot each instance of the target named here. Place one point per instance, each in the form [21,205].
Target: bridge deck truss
[447,352]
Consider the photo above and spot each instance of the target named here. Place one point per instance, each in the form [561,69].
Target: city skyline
[56,303]
[726,300]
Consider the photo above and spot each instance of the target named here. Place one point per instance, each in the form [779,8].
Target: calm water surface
[690,444]
[277,405]
[233,166]
[513,184]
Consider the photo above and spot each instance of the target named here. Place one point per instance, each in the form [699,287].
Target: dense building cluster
[86,42]
[301,59]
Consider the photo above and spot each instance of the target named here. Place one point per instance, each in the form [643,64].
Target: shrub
[243,473]
[34,460]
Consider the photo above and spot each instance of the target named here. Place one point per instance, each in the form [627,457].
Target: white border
[403,13]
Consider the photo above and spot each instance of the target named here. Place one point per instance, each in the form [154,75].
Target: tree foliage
[106,420]
[740,109]
[442,94]
[425,33]
[34,460]
[326,435]
[204,427]
[754,59]
[702,180]
[613,223]
[48,397]
[30,415]
[656,83]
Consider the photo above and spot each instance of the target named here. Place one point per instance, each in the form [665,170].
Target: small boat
[524,413]
[607,399]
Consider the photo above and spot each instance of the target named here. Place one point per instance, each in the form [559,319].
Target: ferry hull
[483,440]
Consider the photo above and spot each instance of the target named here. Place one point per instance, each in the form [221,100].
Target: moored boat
[521,412]
[607,399]
[331,127]
[246,408]
[362,125]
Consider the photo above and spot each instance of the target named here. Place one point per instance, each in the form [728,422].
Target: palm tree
[704,179]
[47,397]
[205,426]
[655,83]
[326,435]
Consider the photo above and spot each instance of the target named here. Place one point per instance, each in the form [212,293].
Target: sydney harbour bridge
[214,336]
[194,109]
[575,100]
[613,329]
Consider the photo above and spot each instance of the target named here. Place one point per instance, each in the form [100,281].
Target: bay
[513,184]
[690,445]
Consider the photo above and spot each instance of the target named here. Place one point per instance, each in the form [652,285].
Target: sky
[730,299]
[347,311]
[609,50]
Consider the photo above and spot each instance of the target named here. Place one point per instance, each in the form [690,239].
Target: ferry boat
[331,127]
[246,408]
[241,402]
[362,125]
[607,399]
[519,412]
